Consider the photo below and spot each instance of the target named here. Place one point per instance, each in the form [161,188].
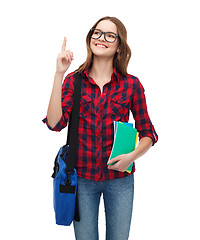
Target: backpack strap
[73,123]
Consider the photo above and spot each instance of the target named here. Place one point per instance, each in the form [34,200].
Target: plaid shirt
[98,111]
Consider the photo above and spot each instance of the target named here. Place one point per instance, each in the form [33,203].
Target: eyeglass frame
[104,33]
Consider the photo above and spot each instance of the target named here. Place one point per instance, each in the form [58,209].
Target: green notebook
[125,140]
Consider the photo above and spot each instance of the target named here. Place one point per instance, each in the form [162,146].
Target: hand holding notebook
[125,140]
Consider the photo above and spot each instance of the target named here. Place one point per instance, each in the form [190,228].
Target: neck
[102,68]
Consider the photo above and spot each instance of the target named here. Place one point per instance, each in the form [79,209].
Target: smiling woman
[108,94]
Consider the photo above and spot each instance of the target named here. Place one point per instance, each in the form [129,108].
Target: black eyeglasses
[108,36]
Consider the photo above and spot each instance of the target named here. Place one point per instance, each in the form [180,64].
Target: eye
[96,32]
[111,35]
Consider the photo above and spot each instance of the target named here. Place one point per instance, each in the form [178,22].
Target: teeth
[98,45]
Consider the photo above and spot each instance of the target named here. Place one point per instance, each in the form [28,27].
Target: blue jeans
[118,202]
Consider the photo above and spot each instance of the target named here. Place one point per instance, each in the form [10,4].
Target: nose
[102,37]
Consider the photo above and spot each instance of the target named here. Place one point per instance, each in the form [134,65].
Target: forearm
[143,146]
[54,111]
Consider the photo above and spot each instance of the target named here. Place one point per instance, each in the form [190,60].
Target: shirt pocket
[85,105]
[119,105]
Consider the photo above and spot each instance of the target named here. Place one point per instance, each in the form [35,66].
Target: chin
[101,53]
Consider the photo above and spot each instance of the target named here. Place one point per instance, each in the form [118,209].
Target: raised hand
[64,58]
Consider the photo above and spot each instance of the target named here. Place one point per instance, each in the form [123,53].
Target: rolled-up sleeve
[140,114]
[67,102]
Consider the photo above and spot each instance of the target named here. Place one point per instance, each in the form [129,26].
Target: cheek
[116,45]
[114,48]
[92,44]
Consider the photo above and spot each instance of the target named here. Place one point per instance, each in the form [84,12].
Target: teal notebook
[125,140]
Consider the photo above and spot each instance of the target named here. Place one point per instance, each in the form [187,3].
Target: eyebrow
[104,31]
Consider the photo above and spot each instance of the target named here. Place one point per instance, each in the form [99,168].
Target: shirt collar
[115,74]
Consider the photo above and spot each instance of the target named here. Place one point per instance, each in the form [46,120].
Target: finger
[69,54]
[68,57]
[72,55]
[113,160]
[62,55]
[64,44]
[112,167]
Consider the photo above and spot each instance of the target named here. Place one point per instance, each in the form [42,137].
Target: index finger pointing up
[64,44]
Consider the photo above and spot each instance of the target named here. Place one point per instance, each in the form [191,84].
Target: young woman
[108,93]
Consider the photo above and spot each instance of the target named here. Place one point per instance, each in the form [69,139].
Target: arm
[125,160]
[54,112]
[143,146]
[147,133]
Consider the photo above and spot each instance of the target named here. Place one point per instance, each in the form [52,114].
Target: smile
[101,45]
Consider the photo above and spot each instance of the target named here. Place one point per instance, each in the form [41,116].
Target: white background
[164,38]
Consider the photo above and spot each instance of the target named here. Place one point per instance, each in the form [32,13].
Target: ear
[118,49]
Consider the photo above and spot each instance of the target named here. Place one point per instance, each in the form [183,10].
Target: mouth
[101,45]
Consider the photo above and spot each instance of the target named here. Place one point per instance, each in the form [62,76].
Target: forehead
[107,26]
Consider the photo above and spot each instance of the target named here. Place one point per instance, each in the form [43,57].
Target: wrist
[61,74]
[133,155]
[58,77]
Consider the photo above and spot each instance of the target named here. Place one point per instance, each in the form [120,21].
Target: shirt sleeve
[139,110]
[67,102]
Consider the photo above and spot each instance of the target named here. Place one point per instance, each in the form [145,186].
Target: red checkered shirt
[98,111]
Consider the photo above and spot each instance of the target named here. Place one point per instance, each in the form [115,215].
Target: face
[100,47]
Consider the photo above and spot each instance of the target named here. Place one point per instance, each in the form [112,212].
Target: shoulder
[131,77]
[70,76]
[69,81]
[133,81]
